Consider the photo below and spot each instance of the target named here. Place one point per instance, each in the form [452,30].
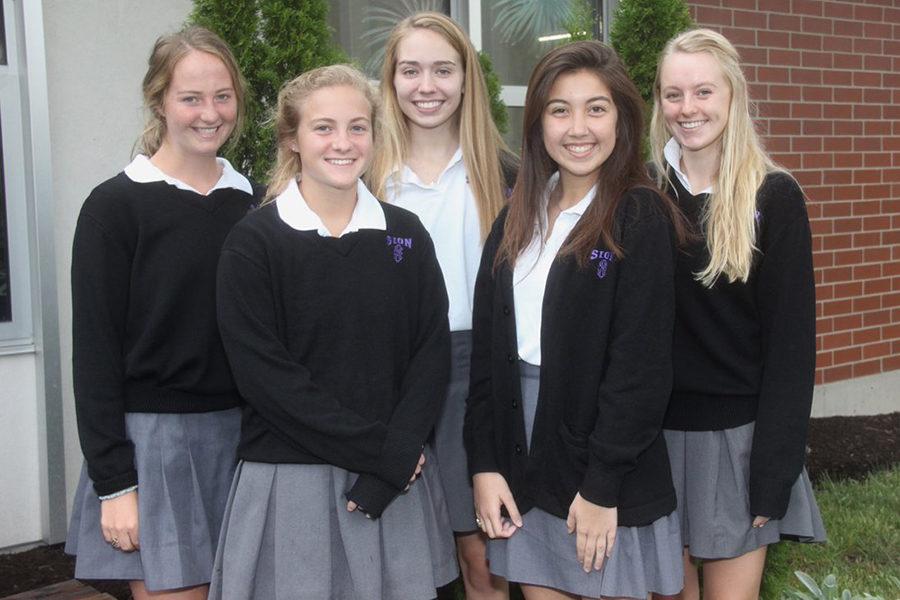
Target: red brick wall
[826,78]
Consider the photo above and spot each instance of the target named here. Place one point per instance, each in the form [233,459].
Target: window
[2,38]
[362,26]
[15,276]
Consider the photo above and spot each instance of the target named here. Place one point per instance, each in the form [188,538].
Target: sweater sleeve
[786,301]
[478,429]
[282,391]
[635,389]
[101,271]
[424,385]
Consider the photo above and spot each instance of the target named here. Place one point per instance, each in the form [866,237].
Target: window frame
[19,331]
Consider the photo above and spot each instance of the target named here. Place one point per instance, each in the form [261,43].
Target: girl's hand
[417,472]
[119,522]
[491,492]
[595,529]
[759,522]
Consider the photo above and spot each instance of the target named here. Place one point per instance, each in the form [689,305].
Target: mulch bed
[840,447]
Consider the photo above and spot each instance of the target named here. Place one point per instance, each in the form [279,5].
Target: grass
[862,519]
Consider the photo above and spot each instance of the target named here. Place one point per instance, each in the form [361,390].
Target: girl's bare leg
[736,578]
[471,548]
[193,593]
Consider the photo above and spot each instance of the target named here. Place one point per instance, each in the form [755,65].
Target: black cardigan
[339,346]
[605,376]
[746,352]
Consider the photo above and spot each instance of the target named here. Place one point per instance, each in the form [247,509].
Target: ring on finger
[114,543]
[479,522]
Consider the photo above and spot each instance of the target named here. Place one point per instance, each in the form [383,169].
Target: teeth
[341,162]
[579,149]
[428,104]
[691,124]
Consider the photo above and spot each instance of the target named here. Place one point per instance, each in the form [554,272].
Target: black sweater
[606,372]
[145,337]
[746,352]
[340,346]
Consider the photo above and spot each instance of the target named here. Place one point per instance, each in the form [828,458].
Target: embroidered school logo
[399,244]
[604,258]
[758,216]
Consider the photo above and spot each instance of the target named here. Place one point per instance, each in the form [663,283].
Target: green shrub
[498,107]
[639,32]
[273,41]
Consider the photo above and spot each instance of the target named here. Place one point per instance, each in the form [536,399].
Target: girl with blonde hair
[744,343]
[154,396]
[334,316]
[442,157]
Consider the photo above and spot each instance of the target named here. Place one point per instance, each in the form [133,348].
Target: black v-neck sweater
[340,346]
[746,352]
[145,337]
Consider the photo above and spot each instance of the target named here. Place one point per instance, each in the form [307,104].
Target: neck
[201,172]
[572,189]
[701,166]
[334,206]
[433,146]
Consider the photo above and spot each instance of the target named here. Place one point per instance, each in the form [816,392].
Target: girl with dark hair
[571,363]
[154,396]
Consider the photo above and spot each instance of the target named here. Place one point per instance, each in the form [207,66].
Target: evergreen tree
[273,41]
[639,32]
[498,108]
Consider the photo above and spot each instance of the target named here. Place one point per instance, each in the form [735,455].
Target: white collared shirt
[448,210]
[533,267]
[294,211]
[141,170]
[672,153]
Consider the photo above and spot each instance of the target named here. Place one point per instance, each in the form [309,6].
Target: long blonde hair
[482,146]
[167,52]
[288,113]
[729,217]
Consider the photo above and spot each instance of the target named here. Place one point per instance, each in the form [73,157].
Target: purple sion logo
[603,258]
[758,216]
[399,243]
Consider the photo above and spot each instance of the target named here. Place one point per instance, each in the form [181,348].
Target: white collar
[141,170]
[407,175]
[672,152]
[576,209]
[293,210]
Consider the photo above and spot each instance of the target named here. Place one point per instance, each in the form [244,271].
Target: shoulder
[400,219]
[780,199]
[639,204]
[112,195]
[258,228]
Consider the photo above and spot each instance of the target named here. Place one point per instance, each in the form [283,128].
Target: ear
[294,148]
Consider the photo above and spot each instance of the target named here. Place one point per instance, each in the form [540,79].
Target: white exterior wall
[20,489]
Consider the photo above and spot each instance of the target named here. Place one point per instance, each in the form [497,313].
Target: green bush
[273,41]
[639,32]
[498,108]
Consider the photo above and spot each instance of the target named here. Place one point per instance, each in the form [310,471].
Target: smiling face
[695,99]
[428,79]
[579,124]
[334,139]
[199,106]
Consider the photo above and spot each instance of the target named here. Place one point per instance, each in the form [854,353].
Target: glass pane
[517,33]
[5,298]
[2,36]
[361,27]
[513,137]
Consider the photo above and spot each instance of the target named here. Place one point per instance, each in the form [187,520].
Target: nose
[426,84]
[341,141]
[208,111]
[578,124]
[687,104]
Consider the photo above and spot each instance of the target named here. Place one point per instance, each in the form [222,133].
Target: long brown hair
[622,171]
[483,150]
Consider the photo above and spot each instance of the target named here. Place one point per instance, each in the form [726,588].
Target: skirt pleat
[542,552]
[287,534]
[448,438]
[711,473]
[185,464]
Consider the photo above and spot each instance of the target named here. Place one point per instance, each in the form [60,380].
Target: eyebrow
[218,91]
[594,99]
[416,63]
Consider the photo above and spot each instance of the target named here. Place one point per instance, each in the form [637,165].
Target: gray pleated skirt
[448,438]
[711,472]
[185,464]
[644,559]
[287,534]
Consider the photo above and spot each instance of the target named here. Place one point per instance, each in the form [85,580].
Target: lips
[428,105]
[689,125]
[579,150]
[340,162]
